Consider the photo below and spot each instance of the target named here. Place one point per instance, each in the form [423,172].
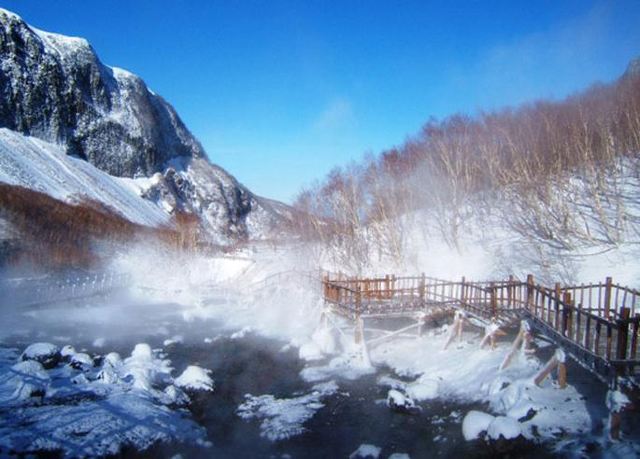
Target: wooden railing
[601,320]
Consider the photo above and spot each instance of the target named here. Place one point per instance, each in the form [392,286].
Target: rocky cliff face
[55,88]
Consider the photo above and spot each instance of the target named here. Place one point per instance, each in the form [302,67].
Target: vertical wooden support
[493,300]
[623,333]
[359,332]
[596,341]
[387,286]
[634,336]
[556,320]
[463,287]
[566,314]
[423,282]
[562,375]
[587,333]
[607,297]
[510,291]
[530,303]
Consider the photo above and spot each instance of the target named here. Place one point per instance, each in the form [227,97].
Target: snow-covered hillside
[45,167]
[54,88]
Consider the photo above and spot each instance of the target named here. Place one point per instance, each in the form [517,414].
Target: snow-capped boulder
[504,427]
[175,396]
[398,401]
[29,379]
[67,352]
[195,378]
[144,369]
[46,354]
[366,451]
[81,361]
[474,423]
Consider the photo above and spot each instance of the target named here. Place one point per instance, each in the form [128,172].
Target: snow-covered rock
[195,378]
[28,378]
[93,413]
[145,369]
[67,352]
[366,451]
[398,401]
[81,361]
[175,396]
[505,427]
[474,423]
[45,353]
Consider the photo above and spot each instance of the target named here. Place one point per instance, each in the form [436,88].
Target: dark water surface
[255,365]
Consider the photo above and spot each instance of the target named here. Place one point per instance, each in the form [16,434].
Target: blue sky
[280,92]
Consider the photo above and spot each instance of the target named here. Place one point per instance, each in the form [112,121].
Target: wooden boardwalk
[597,324]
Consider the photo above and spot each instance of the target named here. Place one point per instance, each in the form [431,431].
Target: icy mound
[284,418]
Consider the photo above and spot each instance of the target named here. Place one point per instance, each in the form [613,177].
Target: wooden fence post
[510,291]
[607,296]
[557,307]
[463,288]
[530,284]
[387,287]
[359,331]
[623,333]
[493,300]
[566,314]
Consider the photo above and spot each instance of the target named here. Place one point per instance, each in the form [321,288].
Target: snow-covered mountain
[103,134]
